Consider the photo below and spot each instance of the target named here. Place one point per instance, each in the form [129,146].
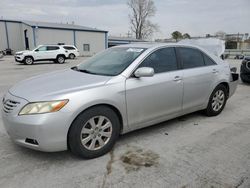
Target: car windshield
[110,62]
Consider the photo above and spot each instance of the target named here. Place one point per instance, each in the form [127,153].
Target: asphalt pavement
[193,151]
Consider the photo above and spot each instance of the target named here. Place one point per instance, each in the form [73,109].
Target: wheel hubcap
[96,133]
[218,100]
[29,61]
[60,60]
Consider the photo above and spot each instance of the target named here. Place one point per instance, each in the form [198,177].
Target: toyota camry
[85,108]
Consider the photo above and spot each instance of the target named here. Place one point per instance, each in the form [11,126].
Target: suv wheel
[94,132]
[72,56]
[60,59]
[28,60]
[217,101]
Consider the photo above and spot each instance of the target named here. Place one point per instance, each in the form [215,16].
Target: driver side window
[162,60]
[42,48]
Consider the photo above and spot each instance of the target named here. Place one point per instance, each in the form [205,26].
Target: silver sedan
[86,108]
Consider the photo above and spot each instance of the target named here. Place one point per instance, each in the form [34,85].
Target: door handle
[215,71]
[177,78]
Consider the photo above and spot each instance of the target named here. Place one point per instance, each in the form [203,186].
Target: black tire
[28,60]
[72,56]
[60,59]
[244,79]
[75,135]
[210,109]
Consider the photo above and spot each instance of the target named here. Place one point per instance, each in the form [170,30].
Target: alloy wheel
[60,59]
[29,60]
[218,100]
[96,133]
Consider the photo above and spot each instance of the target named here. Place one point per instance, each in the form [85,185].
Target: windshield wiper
[87,71]
[75,68]
[81,70]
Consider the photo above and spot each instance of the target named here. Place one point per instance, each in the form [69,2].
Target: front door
[41,53]
[153,99]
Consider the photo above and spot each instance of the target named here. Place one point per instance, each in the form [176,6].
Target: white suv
[54,53]
[72,51]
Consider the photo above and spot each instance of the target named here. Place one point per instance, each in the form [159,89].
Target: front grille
[9,105]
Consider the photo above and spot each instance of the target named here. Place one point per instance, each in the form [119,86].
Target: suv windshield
[111,62]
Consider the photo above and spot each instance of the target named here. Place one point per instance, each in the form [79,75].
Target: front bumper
[19,58]
[48,130]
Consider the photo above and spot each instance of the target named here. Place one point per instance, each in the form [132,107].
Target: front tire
[94,132]
[217,101]
[28,61]
[60,59]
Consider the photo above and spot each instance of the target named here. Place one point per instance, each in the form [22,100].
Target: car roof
[155,45]
[68,45]
[148,45]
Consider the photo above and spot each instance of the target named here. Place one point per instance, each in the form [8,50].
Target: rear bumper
[233,83]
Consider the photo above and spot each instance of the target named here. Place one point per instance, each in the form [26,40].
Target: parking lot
[190,151]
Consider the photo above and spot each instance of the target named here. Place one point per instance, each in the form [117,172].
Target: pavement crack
[108,168]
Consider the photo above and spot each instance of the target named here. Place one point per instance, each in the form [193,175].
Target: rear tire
[217,101]
[94,132]
[72,56]
[60,59]
[28,61]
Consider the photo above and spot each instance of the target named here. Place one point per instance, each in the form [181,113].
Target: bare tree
[141,11]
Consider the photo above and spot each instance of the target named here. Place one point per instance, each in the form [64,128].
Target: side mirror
[36,50]
[144,72]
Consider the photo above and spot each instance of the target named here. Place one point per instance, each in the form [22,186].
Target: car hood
[57,83]
[25,51]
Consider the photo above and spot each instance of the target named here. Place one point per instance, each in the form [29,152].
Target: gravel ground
[186,152]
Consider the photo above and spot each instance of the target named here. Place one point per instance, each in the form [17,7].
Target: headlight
[43,107]
[19,53]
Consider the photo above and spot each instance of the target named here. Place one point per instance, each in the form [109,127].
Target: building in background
[21,35]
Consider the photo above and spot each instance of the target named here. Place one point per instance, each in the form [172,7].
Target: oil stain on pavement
[135,158]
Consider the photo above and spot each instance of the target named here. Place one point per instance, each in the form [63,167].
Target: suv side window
[162,60]
[42,49]
[50,48]
[69,48]
[191,58]
[208,60]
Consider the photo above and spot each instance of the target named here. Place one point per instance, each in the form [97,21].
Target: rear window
[191,58]
[69,47]
[208,60]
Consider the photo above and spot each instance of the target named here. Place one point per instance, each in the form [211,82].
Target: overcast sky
[196,17]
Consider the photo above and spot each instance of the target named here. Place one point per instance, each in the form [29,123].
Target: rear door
[52,52]
[151,99]
[199,76]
